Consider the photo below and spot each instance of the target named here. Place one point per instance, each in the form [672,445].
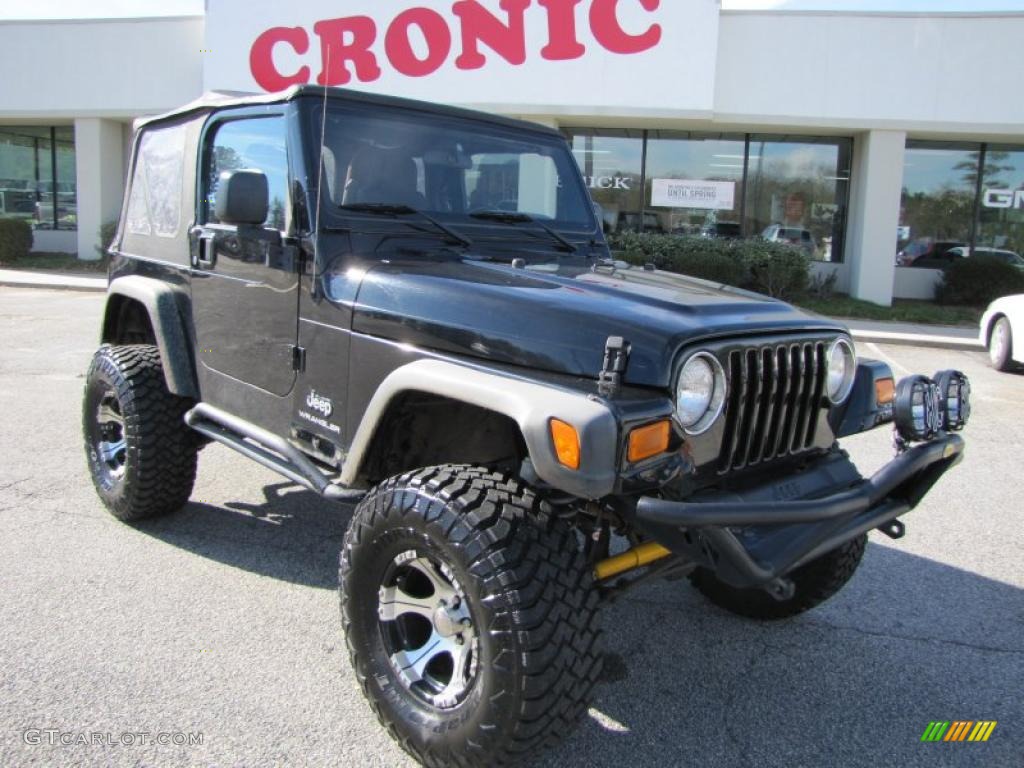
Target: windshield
[449,168]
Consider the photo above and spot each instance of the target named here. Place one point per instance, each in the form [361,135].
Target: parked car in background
[17,203]
[777,233]
[631,221]
[1003,322]
[996,254]
[723,230]
[928,253]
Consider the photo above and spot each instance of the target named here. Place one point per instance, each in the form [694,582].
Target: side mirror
[243,197]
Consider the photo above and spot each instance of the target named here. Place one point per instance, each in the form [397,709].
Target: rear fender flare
[163,305]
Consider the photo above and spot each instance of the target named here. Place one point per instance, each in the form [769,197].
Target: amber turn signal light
[567,443]
[648,441]
[885,391]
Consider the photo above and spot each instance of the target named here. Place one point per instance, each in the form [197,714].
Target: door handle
[206,255]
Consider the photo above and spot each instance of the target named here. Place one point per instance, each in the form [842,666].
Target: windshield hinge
[616,355]
[298,359]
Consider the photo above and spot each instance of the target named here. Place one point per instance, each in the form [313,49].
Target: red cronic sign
[418,41]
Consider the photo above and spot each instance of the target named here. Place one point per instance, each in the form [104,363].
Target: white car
[1003,322]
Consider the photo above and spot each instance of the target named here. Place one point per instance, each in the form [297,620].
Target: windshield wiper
[510,217]
[389,209]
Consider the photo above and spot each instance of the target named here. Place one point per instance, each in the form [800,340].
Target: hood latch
[616,356]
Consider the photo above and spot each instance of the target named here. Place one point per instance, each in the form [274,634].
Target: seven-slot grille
[775,397]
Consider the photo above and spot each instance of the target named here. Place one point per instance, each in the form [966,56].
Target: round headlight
[842,369]
[954,400]
[700,393]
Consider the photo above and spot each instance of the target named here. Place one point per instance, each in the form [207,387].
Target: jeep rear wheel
[470,616]
[815,583]
[141,455]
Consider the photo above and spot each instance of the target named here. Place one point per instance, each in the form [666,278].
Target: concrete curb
[40,287]
[52,282]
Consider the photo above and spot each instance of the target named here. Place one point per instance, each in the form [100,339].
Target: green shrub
[976,281]
[108,232]
[774,269]
[822,286]
[15,240]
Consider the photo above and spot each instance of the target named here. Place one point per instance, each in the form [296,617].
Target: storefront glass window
[37,176]
[612,162]
[694,183]
[797,192]
[937,206]
[784,189]
[1001,212]
[67,200]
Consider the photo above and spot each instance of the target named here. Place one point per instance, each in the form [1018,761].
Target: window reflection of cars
[798,236]
[995,254]
[17,203]
[651,222]
[722,230]
[927,253]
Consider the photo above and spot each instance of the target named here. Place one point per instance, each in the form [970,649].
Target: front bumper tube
[753,539]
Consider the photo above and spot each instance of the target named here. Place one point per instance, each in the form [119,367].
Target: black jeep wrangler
[413,307]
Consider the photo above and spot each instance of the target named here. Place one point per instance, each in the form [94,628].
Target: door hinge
[298,359]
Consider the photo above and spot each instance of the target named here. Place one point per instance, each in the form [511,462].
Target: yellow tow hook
[645,554]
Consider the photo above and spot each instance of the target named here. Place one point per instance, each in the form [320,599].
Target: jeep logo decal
[320,404]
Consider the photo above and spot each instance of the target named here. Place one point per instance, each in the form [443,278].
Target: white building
[856,134]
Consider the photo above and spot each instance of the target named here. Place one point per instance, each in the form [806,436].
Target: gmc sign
[1003,198]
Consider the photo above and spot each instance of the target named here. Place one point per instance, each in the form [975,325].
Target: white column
[874,214]
[99,166]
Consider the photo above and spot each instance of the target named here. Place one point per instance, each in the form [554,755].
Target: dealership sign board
[1003,198]
[537,55]
[684,193]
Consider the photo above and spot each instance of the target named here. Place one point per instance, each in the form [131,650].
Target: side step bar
[268,449]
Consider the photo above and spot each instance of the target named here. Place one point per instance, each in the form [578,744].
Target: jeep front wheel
[469,615]
[141,455]
[814,583]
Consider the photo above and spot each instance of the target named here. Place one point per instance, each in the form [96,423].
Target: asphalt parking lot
[222,620]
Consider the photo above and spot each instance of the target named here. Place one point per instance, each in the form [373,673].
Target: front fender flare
[529,403]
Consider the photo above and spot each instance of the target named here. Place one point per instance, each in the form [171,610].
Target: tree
[276,219]
[993,167]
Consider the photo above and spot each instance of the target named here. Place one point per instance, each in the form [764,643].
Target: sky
[64,9]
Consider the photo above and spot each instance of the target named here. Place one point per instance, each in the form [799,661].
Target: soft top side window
[154,202]
[252,143]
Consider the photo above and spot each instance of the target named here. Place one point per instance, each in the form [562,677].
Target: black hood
[558,318]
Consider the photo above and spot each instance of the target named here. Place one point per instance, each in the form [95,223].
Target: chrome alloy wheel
[998,346]
[428,630]
[108,436]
